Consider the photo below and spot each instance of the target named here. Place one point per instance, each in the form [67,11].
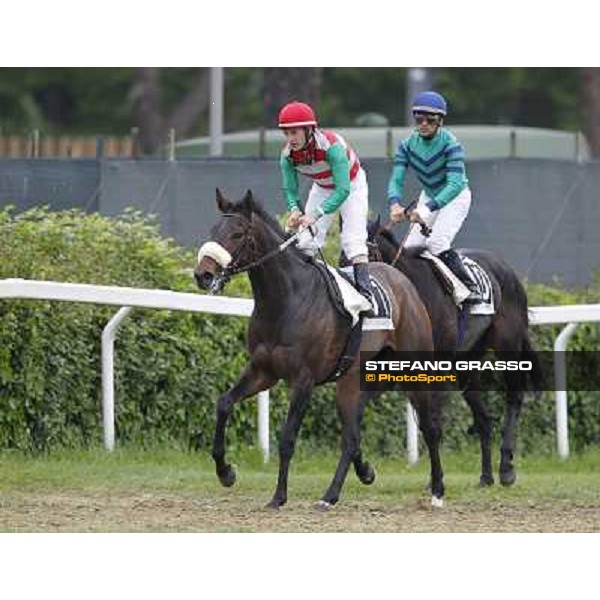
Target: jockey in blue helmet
[438,160]
[430,102]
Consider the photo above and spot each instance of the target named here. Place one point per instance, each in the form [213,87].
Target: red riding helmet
[297,114]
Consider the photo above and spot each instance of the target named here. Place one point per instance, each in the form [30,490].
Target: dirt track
[107,511]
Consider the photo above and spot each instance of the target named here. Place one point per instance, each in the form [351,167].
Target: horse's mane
[257,208]
[412,252]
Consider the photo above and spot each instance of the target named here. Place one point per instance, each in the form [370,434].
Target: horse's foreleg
[251,381]
[301,392]
[514,402]
[350,405]
[364,471]
[483,424]
[429,414]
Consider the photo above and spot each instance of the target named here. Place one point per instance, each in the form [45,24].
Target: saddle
[458,290]
[349,303]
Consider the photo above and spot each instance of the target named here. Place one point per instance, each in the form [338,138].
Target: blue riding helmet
[430,102]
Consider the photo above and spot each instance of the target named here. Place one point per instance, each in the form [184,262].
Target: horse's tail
[528,352]
[520,295]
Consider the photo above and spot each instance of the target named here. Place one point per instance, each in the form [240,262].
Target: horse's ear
[248,203]
[223,204]
[248,198]
[373,227]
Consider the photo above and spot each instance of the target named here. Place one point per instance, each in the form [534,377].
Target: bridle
[374,252]
[247,242]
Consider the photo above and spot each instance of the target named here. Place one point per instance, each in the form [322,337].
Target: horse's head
[232,243]
[373,229]
[383,241]
[244,238]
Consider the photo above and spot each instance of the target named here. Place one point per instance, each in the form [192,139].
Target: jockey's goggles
[422,117]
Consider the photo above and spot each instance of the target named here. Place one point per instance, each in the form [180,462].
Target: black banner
[495,371]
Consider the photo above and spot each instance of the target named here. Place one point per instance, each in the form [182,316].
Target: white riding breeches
[354,216]
[445,224]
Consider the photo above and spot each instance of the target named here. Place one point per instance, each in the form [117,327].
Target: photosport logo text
[420,378]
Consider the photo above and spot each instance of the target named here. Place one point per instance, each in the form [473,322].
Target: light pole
[418,79]
[216,111]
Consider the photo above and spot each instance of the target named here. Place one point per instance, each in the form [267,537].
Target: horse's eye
[237,236]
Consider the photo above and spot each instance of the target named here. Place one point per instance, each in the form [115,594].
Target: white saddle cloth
[459,290]
[355,303]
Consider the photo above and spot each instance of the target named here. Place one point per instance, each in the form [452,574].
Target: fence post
[513,144]
[389,143]
[560,380]
[108,382]
[578,147]
[412,435]
[99,147]
[263,424]
[262,143]
[34,151]
[171,144]
[135,142]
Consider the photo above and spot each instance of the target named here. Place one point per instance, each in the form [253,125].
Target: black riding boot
[453,262]
[363,285]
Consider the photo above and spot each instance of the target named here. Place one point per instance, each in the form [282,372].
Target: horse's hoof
[486,481]
[367,474]
[323,505]
[277,501]
[507,478]
[227,477]
[437,502]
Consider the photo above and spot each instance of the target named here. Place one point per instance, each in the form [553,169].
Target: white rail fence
[128,298]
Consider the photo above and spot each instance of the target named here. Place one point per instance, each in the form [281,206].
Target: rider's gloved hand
[308,220]
[397,213]
[420,214]
[294,218]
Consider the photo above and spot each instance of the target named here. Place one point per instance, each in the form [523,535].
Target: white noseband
[216,252]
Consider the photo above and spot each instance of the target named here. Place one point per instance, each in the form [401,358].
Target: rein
[425,230]
[234,269]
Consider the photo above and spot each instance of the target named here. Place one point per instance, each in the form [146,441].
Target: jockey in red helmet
[340,183]
[297,114]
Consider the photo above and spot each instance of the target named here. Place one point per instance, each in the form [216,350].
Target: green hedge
[172,366]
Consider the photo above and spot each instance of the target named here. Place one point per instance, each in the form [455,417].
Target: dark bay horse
[505,331]
[297,335]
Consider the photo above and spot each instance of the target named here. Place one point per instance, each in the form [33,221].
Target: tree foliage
[281,84]
[102,100]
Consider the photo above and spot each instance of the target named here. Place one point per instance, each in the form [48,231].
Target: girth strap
[348,355]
